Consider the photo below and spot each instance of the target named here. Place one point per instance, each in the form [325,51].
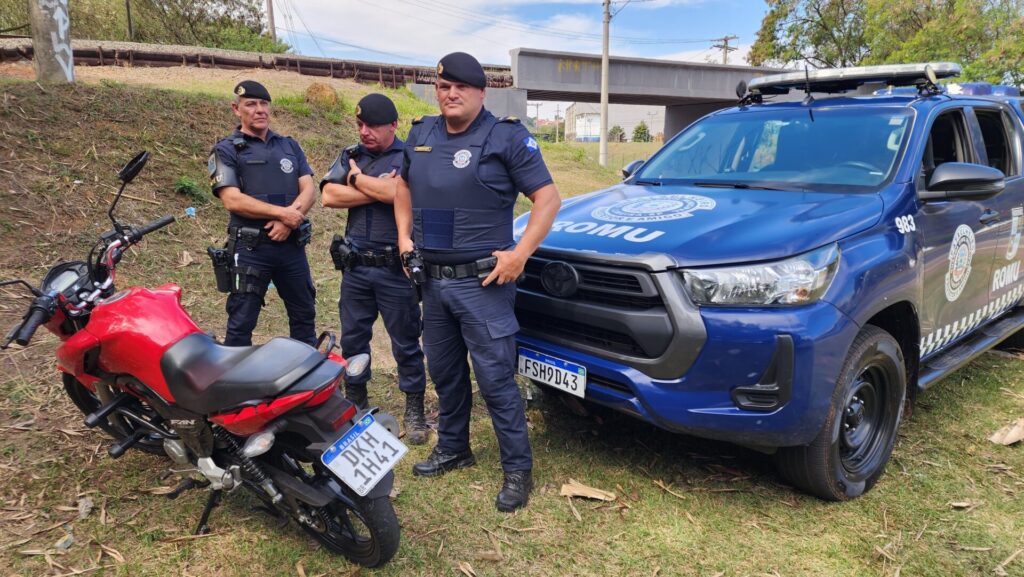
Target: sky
[419,32]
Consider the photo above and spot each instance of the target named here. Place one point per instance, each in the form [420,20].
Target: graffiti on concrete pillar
[61,38]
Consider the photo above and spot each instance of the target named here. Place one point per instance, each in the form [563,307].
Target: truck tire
[849,454]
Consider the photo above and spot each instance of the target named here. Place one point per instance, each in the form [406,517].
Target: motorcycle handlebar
[155,225]
[38,316]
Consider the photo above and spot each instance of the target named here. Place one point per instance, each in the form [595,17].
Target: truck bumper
[763,377]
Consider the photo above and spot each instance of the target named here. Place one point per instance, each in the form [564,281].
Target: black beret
[376,109]
[461,67]
[252,89]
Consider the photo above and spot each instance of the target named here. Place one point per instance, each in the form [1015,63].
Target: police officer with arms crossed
[266,184]
[363,180]
[462,174]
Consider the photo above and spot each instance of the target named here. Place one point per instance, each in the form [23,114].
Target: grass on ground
[685,506]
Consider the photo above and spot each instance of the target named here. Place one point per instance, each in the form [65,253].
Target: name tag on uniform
[255,161]
[423,148]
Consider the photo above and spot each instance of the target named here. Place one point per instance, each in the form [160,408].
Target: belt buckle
[447,272]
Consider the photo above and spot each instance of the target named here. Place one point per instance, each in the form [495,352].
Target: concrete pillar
[679,116]
[51,41]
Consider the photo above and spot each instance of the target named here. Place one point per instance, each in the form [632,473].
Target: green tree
[616,134]
[641,133]
[985,36]
[819,33]
[231,24]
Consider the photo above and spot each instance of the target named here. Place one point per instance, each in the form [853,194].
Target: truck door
[997,136]
[959,239]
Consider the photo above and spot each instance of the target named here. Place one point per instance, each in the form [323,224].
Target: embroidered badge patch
[462,158]
[531,144]
[286,166]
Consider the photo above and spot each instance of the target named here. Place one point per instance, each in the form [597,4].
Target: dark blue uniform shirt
[227,169]
[510,160]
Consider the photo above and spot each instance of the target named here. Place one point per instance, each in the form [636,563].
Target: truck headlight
[795,281]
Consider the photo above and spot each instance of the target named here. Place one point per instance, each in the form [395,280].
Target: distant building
[583,120]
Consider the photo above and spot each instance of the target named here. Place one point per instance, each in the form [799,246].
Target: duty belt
[386,257]
[477,268]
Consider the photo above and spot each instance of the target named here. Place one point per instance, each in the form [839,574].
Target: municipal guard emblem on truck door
[961,253]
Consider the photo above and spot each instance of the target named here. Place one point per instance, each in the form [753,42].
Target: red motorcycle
[270,418]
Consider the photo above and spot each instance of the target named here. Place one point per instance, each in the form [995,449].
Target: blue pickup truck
[788,275]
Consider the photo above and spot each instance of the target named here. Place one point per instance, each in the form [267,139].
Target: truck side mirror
[631,168]
[953,180]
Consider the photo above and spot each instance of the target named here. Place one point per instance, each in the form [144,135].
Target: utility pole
[51,41]
[558,111]
[536,110]
[602,156]
[270,20]
[128,12]
[725,48]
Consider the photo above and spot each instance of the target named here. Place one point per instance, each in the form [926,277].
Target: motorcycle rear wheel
[88,402]
[367,535]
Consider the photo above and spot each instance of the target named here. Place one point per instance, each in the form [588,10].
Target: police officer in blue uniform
[462,174]
[266,184]
[363,180]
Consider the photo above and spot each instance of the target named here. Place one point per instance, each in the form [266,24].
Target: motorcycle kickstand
[203,528]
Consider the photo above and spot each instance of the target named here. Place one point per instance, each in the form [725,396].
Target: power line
[358,47]
[308,31]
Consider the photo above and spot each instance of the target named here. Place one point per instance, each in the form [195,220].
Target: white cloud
[711,55]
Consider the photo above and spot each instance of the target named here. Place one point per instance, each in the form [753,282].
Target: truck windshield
[848,149]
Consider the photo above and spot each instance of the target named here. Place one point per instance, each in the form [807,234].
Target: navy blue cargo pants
[460,316]
[289,270]
[367,291]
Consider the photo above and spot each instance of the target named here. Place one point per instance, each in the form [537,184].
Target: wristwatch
[352,178]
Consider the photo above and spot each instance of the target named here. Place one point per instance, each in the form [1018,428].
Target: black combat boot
[439,463]
[416,430]
[357,395]
[515,491]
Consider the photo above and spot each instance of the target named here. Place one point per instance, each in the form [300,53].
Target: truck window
[995,133]
[947,142]
[840,149]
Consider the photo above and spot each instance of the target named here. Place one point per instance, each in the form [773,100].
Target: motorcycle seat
[205,377]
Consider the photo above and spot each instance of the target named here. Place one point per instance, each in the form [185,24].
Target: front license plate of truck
[363,455]
[563,375]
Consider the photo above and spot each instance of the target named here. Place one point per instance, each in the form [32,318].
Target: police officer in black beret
[266,184]
[462,174]
[363,180]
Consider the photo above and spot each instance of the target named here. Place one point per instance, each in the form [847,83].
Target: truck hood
[700,226]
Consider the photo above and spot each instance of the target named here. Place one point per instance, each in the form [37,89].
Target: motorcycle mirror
[357,364]
[126,175]
[32,289]
[134,167]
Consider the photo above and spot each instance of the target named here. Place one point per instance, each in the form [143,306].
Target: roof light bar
[843,79]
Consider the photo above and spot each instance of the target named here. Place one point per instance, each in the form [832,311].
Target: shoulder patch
[512,119]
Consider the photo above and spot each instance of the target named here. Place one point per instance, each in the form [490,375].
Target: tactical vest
[372,224]
[269,174]
[453,211]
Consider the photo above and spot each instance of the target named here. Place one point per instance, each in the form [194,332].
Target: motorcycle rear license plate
[363,455]
[558,373]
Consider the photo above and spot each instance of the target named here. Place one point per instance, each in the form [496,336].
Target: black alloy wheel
[88,402]
[850,453]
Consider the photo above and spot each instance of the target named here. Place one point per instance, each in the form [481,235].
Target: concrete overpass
[687,90]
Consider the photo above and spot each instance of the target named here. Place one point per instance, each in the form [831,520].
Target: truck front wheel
[850,452]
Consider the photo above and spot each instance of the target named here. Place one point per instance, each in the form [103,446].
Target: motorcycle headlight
[795,281]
